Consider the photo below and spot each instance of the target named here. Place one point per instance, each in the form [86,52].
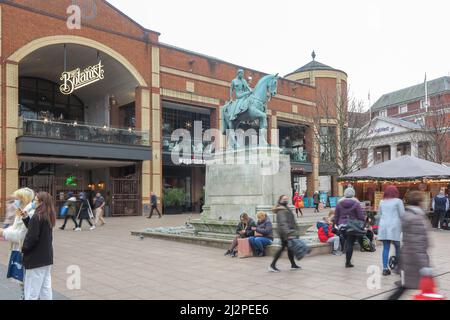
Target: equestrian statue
[249,106]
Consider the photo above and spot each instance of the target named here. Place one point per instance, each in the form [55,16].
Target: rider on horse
[243,90]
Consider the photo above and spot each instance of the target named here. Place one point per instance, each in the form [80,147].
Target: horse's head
[272,86]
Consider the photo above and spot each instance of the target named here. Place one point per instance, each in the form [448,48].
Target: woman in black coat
[85,212]
[37,249]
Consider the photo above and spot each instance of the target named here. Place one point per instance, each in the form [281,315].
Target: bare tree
[341,130]
[434,137]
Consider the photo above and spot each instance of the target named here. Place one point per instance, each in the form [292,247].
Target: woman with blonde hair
[263,234]
[17,232]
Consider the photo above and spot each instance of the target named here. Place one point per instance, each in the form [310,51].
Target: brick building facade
[147,84]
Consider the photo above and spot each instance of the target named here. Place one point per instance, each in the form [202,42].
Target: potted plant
[173,201]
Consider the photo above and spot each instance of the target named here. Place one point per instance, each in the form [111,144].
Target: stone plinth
[247,180]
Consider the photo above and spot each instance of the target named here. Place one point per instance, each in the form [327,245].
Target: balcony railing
[296,155]
[85,133]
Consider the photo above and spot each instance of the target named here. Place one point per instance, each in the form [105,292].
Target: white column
[393,151]
[370,159]
[415,149]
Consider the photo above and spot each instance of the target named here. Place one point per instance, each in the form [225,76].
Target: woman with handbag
[390,212]
[38,249]
[85,212]
[350,220]
[299,204]
[15,234]
[287,228]
[71,205]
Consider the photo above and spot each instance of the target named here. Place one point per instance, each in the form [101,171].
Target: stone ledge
[316,248]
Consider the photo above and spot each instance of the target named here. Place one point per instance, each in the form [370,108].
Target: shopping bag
[299,248]
[64,211]
[244,248]
[15,267]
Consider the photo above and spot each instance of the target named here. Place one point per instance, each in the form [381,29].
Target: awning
[405,168]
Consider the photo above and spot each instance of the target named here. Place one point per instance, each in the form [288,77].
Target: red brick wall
[106,17]
[16,35]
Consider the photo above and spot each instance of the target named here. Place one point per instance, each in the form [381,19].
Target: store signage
[77,79]
[381,130]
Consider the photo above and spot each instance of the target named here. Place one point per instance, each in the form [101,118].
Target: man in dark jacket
[243,230]
[154,201]
[440,208]
[348,209]
[287,229]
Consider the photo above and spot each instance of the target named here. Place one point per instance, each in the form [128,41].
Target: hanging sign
[77,79]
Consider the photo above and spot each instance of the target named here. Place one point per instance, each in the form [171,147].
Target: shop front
[184,151]
[77,127]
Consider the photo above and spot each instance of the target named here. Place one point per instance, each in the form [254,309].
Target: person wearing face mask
[287,229]
[16,233]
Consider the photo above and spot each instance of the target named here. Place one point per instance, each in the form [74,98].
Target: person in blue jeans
[263,235]
[391,210]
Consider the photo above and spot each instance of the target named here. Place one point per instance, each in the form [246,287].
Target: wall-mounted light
[113,101]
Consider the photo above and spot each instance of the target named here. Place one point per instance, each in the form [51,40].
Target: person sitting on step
[243,230]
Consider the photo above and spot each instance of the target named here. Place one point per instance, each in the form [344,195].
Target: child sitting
[324,229]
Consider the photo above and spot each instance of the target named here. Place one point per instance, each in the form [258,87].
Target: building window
[382,154]
[403,108]
[383,113]
[404,149]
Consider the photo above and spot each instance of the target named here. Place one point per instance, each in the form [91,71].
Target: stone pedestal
[248,180]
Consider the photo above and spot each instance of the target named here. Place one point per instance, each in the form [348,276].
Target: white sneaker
[273,270]
[93,228]
[78,229]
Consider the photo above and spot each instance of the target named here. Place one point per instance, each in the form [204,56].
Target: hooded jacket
[348,209]
[324,231]
[72,204]
[287,226]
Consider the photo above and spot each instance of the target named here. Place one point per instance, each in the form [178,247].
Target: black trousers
[284,245]
[67,219]
[157,210]
[81,222]
[349,243]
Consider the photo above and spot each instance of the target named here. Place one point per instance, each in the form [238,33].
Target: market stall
[407,173]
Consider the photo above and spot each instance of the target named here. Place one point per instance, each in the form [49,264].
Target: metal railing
[83,132]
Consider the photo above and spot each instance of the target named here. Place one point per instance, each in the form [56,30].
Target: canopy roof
[405,168]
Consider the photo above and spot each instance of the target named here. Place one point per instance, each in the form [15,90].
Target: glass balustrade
[62,130]
[297,155]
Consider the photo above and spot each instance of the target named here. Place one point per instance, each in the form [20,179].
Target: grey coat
[390,222]
[413,254]
[287,226]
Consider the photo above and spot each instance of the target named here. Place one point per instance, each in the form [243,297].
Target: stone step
[217,242]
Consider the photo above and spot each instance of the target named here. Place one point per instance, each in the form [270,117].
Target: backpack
[368,245]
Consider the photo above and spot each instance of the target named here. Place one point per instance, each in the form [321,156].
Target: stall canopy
[403,168]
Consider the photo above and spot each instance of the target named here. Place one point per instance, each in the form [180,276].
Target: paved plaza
[116,265]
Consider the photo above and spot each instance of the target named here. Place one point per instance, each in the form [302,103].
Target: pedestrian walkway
[116,265]
[10,290]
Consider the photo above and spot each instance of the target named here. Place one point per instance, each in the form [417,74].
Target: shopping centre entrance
[79,127]
[118,182]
